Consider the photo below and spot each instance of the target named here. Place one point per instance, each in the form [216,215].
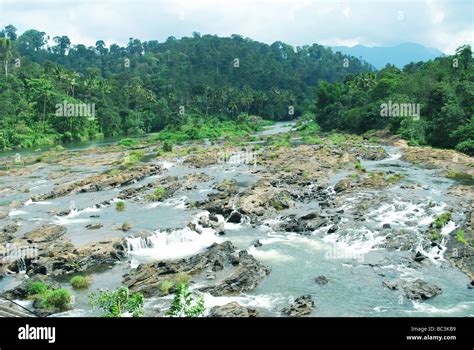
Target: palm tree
[5,45]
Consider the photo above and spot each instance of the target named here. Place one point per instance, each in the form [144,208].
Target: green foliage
[443,92]
[37,287]
[185,304]
[118,302]
[182,278]
[358,166]
[127,142]
[395,178]
[460,236]
[165,286]
[120,206]
[435,235]
[157,194]
[126,226]
[56,299]
[442,220]
[167,147]
[80,282]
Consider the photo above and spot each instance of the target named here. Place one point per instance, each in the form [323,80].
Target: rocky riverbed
[335,228]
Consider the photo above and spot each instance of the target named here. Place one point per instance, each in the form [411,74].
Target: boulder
[303,305]
[232,309]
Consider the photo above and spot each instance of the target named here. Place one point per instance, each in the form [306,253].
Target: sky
[441,24]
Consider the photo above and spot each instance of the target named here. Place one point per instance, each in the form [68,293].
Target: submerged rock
[303,305]
[321,280]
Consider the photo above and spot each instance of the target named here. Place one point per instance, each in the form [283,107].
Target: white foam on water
[66,220]
[16,212]
[168,245]
[423,307]
[167,164]
[153,205]
[171,245]
[232,226]
[30,202]
[354,242]
[270,255]
[75,212]
[177,203]
[263,301]
[448,228]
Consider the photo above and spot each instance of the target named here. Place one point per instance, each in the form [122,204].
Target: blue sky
[442,24]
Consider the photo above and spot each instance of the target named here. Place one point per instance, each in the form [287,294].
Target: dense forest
[150,86]
[443,88]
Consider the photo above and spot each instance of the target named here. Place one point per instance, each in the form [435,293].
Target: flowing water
[353,258]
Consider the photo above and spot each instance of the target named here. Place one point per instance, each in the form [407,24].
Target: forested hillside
[443,88]
[147,86]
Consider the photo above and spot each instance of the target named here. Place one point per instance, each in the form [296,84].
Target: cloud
[434,23]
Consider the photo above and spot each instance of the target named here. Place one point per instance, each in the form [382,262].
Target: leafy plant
[442,220]
[118,302]
[460,236]
[165,286]
[120,206]
[80,282]
[185,304]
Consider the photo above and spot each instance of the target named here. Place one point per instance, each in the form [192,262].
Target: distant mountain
[399,55]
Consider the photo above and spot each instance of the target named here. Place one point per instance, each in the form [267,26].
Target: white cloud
[435,23]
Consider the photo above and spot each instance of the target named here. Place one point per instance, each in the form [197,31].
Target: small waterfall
[21,266]
[173,244]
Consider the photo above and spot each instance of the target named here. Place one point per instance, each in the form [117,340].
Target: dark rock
[419,257]
[321,280]
[392,285]
[245,277]
[147,278]
[235,217]
[94,226]
[257,243]
[386,226]
[303,305]
[420,289]
[232,309]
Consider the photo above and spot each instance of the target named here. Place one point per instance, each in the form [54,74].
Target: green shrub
[182,278]
[167,147]
[120,206]
[358,166]
[126,226]
[35,288]
[395,178]
[442,220]
[185,304]
[460,236]
[127,142]
[118,302]
[165,286]
[466,146]
[157,194]
[56,299]
[80,282]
